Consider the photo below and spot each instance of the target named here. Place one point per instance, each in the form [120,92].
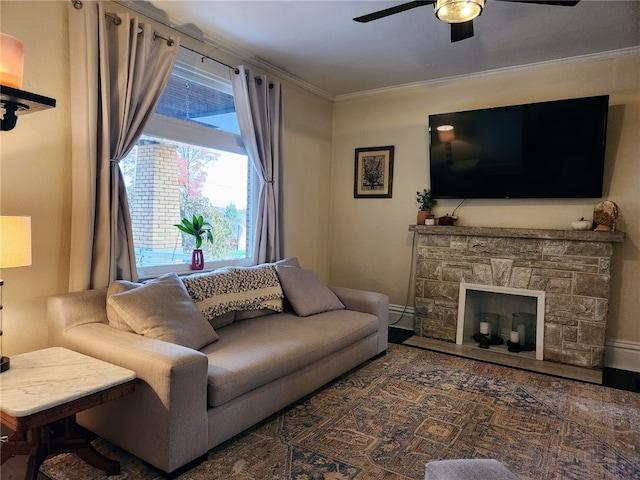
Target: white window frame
[194,134]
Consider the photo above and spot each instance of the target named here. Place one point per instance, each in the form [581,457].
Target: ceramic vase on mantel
[425,217]
[197,259]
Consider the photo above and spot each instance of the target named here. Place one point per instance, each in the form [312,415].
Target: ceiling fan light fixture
[458,11]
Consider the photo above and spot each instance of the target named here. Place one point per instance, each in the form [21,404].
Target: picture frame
[373,169]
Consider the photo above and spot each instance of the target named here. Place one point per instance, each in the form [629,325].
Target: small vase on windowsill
[200,230]
[197,259]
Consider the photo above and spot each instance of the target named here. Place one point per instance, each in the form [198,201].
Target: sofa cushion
[306,293]
[119,286]
[257,351]
[162,309]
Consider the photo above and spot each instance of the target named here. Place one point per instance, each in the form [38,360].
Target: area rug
[388,418]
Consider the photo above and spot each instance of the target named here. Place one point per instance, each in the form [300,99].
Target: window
[191,161]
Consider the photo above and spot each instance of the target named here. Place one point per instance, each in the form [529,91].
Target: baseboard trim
[401,316]
[622,355]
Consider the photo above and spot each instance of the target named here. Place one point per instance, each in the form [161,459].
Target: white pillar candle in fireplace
[520,328]
[514,337]
[484,328]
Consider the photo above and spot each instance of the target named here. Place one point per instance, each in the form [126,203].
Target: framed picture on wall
[373,172]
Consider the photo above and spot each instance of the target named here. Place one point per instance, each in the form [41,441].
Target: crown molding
[498,71]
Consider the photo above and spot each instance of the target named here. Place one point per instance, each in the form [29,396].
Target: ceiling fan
[459,13]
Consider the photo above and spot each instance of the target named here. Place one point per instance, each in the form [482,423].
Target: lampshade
[446,133]
[458,11]
[11,61]
[15,241]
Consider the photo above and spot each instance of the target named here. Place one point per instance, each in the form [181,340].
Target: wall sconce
[15,251]
[13,99]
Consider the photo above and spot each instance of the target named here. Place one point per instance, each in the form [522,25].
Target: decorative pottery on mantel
[582,224]
[605,216]
[446,220]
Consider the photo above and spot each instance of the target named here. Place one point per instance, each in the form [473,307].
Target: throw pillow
[119,286]
[247,314]
[162,309]
[212,290]
[259,288]
[306,293]
[235,289]
[222,320]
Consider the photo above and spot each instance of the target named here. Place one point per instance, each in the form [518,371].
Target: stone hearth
[571,267]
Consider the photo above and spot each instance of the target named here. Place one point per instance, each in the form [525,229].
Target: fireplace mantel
[572,268]
[576,235]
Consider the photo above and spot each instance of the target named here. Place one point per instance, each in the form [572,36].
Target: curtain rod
[235,69]
[117,20]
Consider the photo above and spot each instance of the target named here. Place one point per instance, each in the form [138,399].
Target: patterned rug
[388,418]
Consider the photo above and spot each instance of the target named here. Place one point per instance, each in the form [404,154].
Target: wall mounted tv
[540,150]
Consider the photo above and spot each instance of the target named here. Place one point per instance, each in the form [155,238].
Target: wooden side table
[42,392]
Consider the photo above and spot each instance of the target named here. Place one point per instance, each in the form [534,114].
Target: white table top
[39,380]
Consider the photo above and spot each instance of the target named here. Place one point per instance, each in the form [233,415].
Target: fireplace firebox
[503,310]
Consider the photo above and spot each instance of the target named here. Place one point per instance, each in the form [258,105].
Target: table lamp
[15,251]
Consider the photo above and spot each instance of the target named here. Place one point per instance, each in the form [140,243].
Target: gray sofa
[188,400]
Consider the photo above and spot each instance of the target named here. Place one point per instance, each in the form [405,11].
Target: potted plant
[426,203]
[200,230]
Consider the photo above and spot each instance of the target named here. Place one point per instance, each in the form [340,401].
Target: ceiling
[318,45]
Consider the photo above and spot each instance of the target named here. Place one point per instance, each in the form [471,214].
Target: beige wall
[353,242]
[34,172]
[370,242]
[35,175]
[307,171]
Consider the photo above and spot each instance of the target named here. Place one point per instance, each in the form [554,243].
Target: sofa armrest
[368,302]
[169,406]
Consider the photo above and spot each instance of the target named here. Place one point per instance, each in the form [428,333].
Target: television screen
[539,150]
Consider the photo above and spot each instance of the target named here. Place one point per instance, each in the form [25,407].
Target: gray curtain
[133,66]
[259,108]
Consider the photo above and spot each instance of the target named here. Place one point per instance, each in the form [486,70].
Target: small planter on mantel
[426,218]
[426,202]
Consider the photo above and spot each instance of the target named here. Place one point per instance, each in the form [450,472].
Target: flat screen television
[539,150]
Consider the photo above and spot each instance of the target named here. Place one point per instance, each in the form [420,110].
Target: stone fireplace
[571,268]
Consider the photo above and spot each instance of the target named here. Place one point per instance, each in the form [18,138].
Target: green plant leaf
[196,227]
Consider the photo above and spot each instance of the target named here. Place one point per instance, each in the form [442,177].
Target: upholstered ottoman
[467,469]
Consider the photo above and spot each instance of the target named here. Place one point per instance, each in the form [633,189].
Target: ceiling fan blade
[461,31]
[560,3]
[392,11]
